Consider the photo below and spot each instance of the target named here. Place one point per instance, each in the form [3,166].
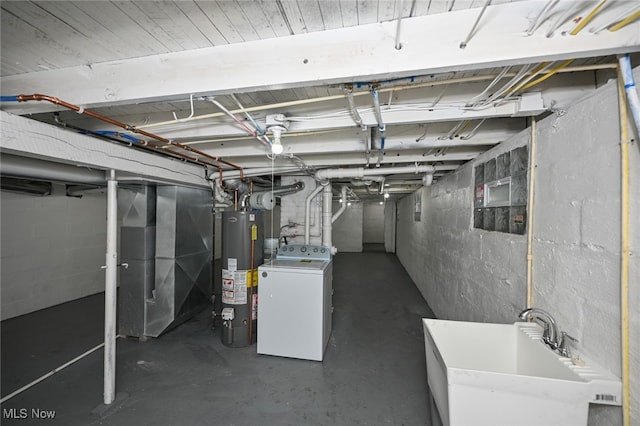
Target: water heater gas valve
[228,314]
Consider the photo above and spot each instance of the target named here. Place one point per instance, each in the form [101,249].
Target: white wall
[470,274]
[373,222]
[52,249]
[347,229]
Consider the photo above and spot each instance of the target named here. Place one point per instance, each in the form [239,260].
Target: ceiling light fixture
[276,147]
[276,124]
[386,195]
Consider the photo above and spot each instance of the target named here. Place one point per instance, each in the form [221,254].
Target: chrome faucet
[550,335]
[560,342]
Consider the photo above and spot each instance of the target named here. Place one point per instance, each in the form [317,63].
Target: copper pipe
[53,100]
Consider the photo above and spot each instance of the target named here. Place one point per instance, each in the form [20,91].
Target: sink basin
[502,374]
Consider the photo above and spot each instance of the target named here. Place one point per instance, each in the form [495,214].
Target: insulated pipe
[111,275]
[630,89]
[327,196]
[343,194]
[307,210]
[359,172]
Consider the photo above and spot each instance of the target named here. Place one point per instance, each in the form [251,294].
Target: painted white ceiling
[141,62]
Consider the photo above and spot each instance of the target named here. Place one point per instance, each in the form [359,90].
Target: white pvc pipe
[110,290]
[307,210]
[343,207]
[630,89]
[258,171]
[327,196]
[360,172]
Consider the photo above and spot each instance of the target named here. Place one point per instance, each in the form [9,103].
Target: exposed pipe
[260,138]
[111,283]
[398,45]
[343,207]
[530,206]
[359,172]
[626,73]
[618,20]
[381,127]
[541,17]
[562,19]
[353,109]
[583,23]
[51,373]
[624,249]
[475,25]
[626,21]
[547,75]
[307,212]
[235,184]
[327,197]
[16,166]
[260,171]
[280,105]
[81,110]
[275,192]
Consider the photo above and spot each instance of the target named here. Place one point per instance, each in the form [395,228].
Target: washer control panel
[303,251]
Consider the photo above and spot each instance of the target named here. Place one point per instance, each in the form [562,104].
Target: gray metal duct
[25,167]
[167,241]
[184,246]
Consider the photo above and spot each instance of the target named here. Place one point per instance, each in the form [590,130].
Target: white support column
[111,275]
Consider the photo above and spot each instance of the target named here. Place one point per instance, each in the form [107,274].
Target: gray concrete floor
[373,372]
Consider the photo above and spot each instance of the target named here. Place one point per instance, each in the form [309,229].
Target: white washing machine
[294,307]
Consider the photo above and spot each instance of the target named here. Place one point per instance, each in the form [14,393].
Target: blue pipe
[630,88]
[9,99]
[117,134]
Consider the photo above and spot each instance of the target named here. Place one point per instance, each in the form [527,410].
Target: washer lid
[296,264]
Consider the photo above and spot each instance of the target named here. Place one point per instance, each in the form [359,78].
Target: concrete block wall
[373,222]
[292,210]
[347,230]
[476,275]
[464,273]
[52,249]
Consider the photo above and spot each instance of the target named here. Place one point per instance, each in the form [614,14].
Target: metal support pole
[110,290]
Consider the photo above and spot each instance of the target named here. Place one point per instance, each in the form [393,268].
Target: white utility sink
[502,374]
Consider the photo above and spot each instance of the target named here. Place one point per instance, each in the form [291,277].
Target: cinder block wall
[476,275]
[373,222]
[52,249]
[346,231]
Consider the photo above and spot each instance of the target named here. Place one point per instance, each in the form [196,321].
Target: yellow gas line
[624,261]
[625,21]
[588,18]
[532,175]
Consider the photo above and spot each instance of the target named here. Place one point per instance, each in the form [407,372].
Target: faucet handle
[565,344]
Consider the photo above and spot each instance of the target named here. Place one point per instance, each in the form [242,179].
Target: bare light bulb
[386,195]
[276,147]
